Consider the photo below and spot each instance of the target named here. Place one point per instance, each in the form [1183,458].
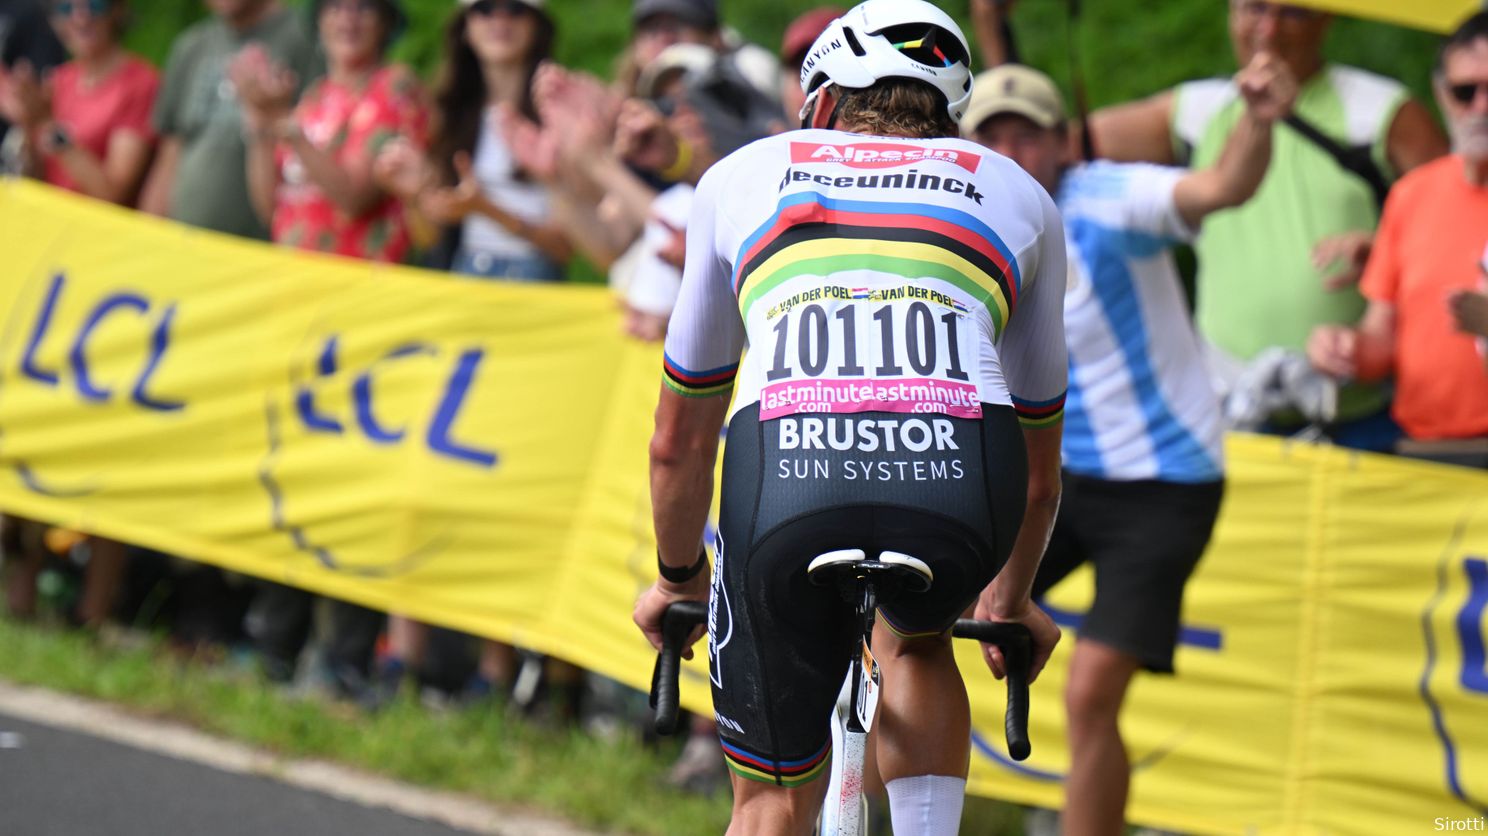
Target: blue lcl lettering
[1470,627]
[439,438]
[77,356]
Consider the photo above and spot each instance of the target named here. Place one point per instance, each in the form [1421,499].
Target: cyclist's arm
[704,340]
[1010,593]
[683,451]
[1035,366]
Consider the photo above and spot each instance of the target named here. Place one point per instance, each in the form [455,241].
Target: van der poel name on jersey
[911,179]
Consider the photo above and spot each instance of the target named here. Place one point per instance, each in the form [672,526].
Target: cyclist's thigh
[778,644]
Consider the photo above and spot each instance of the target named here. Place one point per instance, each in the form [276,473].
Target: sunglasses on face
[508,8]
[1467,92]
[96,8]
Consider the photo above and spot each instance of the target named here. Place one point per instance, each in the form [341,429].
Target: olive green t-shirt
[197,104]
[1257,286]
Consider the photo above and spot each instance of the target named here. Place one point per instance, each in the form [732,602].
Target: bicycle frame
[845,811]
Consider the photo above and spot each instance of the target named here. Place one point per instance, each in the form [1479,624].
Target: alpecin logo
[874,155]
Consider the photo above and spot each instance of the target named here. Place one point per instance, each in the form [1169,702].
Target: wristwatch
[58,139]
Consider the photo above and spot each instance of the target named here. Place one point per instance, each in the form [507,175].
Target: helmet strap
[836,108]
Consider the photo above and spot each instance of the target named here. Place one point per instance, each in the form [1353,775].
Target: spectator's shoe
[700,769]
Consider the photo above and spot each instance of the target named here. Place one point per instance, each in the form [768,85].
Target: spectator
[1257,285]
[504,217]
[701,109]
[1425,268]
[799,36]
[310,166]
[1143,473]
[87,129]
[658,24]
[87,125]
[25,38]
[309,175]
[501,222]
[199,176]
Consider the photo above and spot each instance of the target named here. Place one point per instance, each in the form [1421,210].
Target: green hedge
[1127,51]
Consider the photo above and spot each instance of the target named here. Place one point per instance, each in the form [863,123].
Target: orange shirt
[1430,242]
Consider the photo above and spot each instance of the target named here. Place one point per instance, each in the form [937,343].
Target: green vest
[1257,287]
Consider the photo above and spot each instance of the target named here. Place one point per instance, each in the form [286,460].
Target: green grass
[610,785]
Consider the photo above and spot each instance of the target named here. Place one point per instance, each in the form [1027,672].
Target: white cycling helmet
[892,39]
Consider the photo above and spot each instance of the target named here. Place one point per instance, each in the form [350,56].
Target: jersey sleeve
[706,334]
[1150,206]
[1035,363]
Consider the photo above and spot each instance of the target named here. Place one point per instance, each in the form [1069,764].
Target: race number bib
[903,349]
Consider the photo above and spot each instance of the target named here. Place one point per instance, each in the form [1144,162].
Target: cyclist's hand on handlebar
[654,601]
[1045,634]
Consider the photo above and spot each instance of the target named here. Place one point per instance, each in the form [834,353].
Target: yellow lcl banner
[474,455]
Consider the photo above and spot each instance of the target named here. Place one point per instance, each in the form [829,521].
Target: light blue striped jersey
[1140,402]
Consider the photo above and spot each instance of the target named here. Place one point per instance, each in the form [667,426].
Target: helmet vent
[852,42]
[931,46]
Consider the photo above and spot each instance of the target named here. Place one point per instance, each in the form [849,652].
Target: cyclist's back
[901,299]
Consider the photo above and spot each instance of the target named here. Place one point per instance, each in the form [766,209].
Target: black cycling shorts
[949,491]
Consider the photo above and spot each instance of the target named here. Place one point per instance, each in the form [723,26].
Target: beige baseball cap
[1014,88]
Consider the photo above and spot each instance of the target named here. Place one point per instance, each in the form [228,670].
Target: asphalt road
[63,783]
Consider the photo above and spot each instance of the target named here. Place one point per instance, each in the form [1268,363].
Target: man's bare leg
[1096,789]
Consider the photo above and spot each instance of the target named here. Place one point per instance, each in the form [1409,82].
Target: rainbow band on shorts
[780,773]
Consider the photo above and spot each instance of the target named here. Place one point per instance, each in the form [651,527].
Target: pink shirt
[94,113]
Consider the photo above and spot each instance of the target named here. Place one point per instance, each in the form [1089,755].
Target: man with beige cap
[1142,461]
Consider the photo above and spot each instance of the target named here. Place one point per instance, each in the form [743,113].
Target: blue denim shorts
[533,268]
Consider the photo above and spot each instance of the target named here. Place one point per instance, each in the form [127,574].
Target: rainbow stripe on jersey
[814,235]
[698,384]
[1039,414]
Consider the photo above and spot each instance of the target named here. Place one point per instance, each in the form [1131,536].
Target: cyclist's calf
[923,702]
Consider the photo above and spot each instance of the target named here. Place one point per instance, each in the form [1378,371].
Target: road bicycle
[864,583]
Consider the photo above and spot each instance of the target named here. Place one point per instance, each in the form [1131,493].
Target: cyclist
[901,291]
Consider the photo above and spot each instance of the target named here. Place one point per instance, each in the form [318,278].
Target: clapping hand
[265,87]
[25,97]
[401,169]
[450,204]
[643,138]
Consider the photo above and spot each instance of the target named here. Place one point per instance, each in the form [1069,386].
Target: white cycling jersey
[872,274]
